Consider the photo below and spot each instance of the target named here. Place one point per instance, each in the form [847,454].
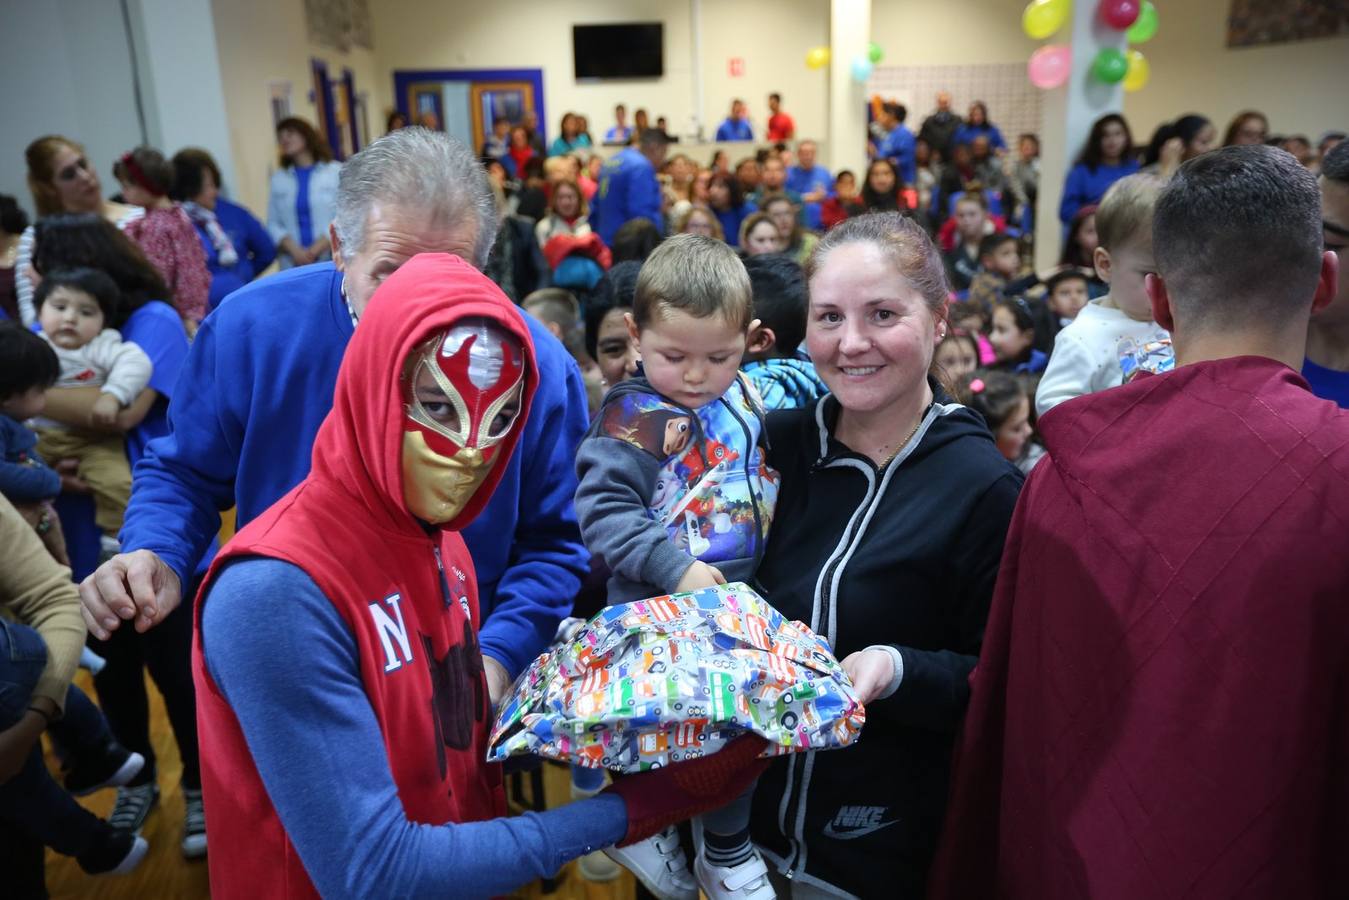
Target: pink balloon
[1050,66]
[1120,14]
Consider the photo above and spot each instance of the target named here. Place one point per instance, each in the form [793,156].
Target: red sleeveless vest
[409,599]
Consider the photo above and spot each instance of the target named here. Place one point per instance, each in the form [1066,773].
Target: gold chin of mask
[437,488]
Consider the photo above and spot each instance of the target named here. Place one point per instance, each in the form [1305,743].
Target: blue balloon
[861,69]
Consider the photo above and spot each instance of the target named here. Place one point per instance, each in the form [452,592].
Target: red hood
[359,445]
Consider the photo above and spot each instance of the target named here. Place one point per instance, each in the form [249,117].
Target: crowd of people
[480,398]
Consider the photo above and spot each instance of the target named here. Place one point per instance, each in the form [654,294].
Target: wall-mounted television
[628,50]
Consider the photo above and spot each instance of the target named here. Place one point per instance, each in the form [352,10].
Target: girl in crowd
[956,356]
[1013,337]
[1001,399]
[1249,127]
[797,242]
[395,121]
[721,162]
[62,180]
[700,220]
[977,125]
[237,245]
[886,448]
[1107,157]
[570,138]
[679,173]
[303,195]
[882,190]
[1079,248]
[165,233]
[520,150]
[972,225]
[728,204]
[1176,142]
[566,214]
[71,241]
[589,177]
[758,235]
[13,223]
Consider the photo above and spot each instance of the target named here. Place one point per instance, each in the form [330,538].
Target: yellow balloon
[1139,71]
[817,57]
[1044,17]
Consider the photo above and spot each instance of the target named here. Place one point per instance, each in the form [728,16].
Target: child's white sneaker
[659,864]
[747,881]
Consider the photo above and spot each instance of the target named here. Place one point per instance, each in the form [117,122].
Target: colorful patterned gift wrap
[653,682]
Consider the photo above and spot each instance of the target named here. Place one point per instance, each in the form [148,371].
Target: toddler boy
[783,375]
[1113,337]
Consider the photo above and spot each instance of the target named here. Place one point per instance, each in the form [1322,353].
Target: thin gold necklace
[904,443]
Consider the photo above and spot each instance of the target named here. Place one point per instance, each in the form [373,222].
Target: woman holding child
[893,508]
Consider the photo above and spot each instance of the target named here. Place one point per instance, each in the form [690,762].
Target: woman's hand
[104,411]
[699,575]
[871,672]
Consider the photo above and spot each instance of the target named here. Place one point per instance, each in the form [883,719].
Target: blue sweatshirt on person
[320,753]
[253,391]
[735,130]
[966,134]
[898,146]
[1085,186]
[808,181]
[24,476]
[252,244]
[628,190]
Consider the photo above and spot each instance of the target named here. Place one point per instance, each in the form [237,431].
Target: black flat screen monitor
[629,50]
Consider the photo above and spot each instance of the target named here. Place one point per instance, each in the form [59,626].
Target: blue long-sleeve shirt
[898,147]
[320,753]
[966,134]
[628,190]
[1085,186]
[808,181]
[253,391]
[24,476]
[735,130]
[252,244]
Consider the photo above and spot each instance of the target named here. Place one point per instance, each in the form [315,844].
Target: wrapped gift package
[653,682]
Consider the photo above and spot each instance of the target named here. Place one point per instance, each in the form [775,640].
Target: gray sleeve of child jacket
[617,480]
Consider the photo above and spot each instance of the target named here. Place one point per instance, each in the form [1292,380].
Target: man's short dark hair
[1237,236]
[775,96]
[13,220]
[634,240]
[653,137]
[779,288]
[898,110]
[616,290]
[1335,166]
[991,242]
[26,361]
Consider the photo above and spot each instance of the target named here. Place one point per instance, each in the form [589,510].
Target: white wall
[261,41]
[65,69]
[771,36]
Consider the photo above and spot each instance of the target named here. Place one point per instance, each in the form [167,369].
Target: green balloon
[1144,27]
[874,52]
[1110,66]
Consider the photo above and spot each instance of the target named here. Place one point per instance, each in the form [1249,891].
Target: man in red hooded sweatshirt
[1161,707]
[344,733]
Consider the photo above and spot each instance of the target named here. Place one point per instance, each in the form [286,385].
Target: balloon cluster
[1051,65]
[859,67]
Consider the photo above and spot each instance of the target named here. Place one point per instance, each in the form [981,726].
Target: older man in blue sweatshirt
[629,188]
[259,381]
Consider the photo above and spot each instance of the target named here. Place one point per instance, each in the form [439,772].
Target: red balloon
[1120,14]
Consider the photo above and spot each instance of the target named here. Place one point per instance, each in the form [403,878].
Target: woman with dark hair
[1176,142]
[570,139]
[303,197]
[237,245]
[71,241]
[62,181]
[881,191]
[13,223]
[1106,158]
[892,512]
[977,125]
[1249,127]
[728,204]
[395,121]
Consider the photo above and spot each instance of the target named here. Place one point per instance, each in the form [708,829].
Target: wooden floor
[165,875]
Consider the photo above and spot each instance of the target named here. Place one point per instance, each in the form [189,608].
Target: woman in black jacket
[889,526]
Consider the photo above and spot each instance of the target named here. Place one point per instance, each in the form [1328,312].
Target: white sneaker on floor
[659,864]
[747,881]
[598,868]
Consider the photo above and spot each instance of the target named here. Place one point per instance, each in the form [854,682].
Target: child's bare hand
[104,413]
[700,575]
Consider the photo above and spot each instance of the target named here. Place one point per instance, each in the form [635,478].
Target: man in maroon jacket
[1161,707]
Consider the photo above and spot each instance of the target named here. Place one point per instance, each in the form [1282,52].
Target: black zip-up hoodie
[905,556]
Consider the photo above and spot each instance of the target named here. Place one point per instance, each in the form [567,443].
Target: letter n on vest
[391,629]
